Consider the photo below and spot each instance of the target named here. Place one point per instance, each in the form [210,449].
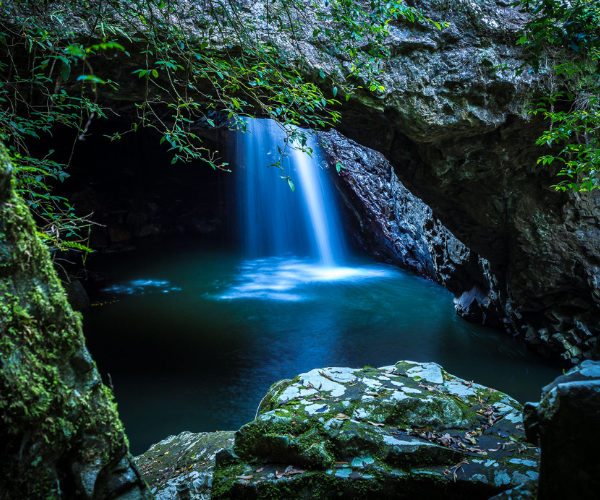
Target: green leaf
[155,73]
[65,70]
[90,78]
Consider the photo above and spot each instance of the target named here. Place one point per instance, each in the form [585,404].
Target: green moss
[51,397]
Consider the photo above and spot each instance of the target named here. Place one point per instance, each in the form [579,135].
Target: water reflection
[140,287]
[201,358]
[289,279]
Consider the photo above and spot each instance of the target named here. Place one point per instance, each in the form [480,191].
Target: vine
[199,61]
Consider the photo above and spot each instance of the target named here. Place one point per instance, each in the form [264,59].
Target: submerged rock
[567,424]
[410,428]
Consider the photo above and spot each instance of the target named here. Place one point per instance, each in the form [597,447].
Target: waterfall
[275,221]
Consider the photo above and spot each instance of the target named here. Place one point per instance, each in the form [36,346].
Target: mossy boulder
[410,430]
[181,467]
[60,433]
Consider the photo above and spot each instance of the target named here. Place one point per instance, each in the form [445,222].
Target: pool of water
[193,336]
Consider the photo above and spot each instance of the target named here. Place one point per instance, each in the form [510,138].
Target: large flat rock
[410,430]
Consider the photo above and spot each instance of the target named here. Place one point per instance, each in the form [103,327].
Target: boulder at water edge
[567,424]
[181,467]
[410,430]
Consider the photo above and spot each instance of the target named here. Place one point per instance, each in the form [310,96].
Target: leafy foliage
[569,34]
[198,60]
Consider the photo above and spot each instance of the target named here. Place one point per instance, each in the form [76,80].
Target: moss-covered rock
[181,467]
[60,433]
[405,431]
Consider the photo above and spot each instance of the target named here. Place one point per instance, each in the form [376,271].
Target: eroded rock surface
[405,431]
[452,122]
[395,226]
[181,467]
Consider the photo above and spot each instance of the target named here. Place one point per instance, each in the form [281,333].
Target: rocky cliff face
[452,126]
[396,227]
[60,434]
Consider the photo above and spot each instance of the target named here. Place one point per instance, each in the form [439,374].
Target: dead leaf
[290,471]
[327,377]
[260,470]
[376,424]
[342,416]
[245,477]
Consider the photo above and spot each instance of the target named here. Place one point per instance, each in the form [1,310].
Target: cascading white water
[314,197]
[276,221]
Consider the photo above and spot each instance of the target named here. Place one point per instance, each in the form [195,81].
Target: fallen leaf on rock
[290,471]
[455,468]
[245,477]
[476,449]
[429,387]
[328,377]
[260,470]
[278,474]
[342,416]
[376,424]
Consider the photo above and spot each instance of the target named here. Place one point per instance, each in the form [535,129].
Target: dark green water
[198,335]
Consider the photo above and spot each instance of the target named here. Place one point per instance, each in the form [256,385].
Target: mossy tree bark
[60,434]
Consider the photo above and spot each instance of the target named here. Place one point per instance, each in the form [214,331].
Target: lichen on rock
[182,466]
[409,429]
